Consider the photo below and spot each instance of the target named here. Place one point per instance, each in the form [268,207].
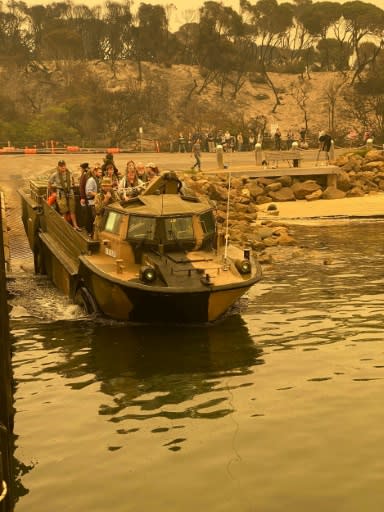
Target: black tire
[85,300]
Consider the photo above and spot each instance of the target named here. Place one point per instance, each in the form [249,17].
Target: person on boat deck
[152,171]
[103,198]
[111,173]
[84,174]
[141,172]
[130,185]
[108,159]
[61,181]
[92,187]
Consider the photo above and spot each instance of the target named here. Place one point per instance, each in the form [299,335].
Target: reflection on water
[279,409]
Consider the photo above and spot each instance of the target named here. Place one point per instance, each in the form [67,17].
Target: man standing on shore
[325,142]
[196,151]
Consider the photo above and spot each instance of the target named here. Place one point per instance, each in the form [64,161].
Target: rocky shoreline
[361,173]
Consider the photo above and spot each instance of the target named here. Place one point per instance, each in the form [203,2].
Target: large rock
[255,190]
[333,193]
[374,165]
[317,194]
[217,193]
[284,194]
[374,155]
[273,187]
[355,192]
[344,181]
[303,189]
[263,199]
[286,181]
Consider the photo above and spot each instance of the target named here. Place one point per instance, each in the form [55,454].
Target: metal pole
[258,155]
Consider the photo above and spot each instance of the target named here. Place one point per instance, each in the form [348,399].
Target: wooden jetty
[257,171]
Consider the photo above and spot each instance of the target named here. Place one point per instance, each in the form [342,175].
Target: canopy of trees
[228,46]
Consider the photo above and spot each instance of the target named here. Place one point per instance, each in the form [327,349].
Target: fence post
[332,150]
[258,155]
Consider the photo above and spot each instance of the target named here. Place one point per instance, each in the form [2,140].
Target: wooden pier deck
[256,171]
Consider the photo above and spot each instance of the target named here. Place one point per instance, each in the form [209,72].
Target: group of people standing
[99,185]
[210,140]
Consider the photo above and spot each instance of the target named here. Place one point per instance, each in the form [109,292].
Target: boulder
[217,193]
[303,189]
[273,187]
[263,199]
[344,181]
[317,194]
[255,190]
[374,155]
[372,166]
[333,193]
[284,194]
[286,181]
[355,192]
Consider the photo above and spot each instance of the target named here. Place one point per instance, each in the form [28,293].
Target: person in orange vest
[62,183]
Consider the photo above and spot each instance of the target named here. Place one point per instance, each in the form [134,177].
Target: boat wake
[35,297]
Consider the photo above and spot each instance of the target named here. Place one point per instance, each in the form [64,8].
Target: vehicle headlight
[243,266]
[147,274]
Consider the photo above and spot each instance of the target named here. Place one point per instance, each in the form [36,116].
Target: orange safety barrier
[73,149]
[113,150]
[8,149]
[30,151]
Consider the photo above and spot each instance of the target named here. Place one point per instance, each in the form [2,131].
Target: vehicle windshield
[178,228]
[141,228]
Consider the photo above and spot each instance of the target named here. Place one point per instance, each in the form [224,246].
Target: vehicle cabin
[144,223]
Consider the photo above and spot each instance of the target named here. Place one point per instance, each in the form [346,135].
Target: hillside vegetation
[89,105]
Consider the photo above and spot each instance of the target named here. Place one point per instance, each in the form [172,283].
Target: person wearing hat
[103,198]
[108,159]
[61,182]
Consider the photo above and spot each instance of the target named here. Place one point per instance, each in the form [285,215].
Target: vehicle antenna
[227,219]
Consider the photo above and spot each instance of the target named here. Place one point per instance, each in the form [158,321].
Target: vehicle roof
[163,204]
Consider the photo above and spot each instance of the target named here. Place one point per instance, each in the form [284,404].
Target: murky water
[277,410]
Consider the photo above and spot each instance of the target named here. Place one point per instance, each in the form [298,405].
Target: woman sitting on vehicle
[130,185]
[110,172]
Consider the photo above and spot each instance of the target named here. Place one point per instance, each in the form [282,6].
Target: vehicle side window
[141,227]
[207,222]
[179,228]
[112,222]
